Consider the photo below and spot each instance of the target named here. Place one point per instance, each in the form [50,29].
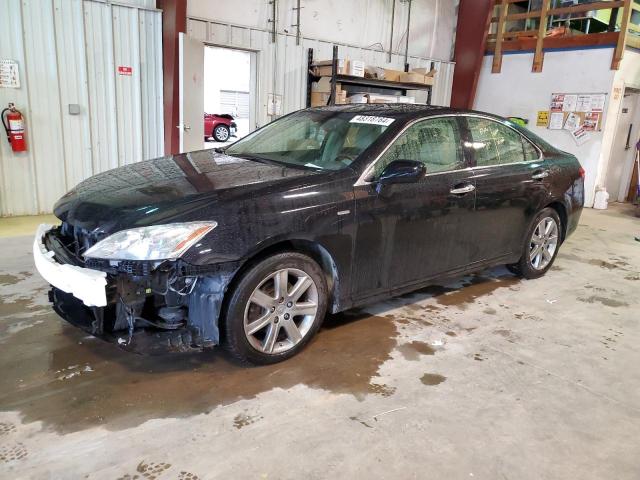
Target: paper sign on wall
[580,135]
[597,102]
[556,121]
[9,74]
[542,119]
[274,104]
[617,91]
[583,104]
[127,71]
[570,102]
[557,102]
[591,121]
[572,122]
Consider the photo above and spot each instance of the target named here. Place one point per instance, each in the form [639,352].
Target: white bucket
[601,200]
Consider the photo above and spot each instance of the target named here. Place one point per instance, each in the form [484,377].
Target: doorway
[621,164]
[228,95]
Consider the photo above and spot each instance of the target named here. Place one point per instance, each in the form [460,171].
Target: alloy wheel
[281,311]
[544,242]
[221,134]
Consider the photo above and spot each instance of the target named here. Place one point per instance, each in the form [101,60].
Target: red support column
[174,21]
[471,42]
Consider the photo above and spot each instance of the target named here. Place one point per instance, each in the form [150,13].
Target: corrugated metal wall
[282,66]
[68,52]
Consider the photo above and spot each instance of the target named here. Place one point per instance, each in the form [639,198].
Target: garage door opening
[228,95]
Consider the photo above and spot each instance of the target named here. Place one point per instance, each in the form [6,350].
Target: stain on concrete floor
[431,379]
[9,279]
[22,306]
[243,419]
[474,287]
[610,264]
[609,302]
[413,350]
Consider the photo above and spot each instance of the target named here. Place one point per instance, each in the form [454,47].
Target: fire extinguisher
[14,126]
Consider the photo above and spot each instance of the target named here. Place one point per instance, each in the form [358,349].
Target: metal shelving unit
[359,84]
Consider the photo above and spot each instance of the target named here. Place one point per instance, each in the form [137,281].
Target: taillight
[582,172]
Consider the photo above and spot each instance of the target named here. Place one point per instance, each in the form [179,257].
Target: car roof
[380,108]
[404,110]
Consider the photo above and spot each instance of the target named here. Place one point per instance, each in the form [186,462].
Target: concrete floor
[489,377]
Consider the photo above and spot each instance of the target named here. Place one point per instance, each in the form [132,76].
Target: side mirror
[402,171]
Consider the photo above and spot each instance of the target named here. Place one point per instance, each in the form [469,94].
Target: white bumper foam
[83,283]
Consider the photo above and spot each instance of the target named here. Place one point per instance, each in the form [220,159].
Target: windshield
[316,139]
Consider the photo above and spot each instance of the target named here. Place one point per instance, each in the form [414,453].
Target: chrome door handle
[462,190]
[540,175]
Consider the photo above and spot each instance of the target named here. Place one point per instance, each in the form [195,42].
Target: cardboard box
[392,75]
[412,77]
[380,73]
[416,77]
[323,85]
[323,67]
[319,99]
[373,72]
[358,98]
[425,72]
[376,98]
[355,68]
[428,80]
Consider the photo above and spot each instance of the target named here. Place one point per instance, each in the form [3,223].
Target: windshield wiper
[249,156]
[271,161]
[311,165]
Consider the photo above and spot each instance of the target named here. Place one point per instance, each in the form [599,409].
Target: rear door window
[496,144]
[530,152]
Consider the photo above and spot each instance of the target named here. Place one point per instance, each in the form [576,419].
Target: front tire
[221,133]
[275,309]
[540,247]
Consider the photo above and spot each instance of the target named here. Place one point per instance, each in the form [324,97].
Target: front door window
[434,142]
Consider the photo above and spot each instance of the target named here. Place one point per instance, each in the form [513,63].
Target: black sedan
[322,210]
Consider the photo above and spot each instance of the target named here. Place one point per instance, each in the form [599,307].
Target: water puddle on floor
[57,374]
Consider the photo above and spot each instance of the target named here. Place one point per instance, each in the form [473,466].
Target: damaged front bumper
[85,284]
[145,307]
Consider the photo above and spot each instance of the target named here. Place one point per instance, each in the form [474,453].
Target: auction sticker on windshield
[372,120]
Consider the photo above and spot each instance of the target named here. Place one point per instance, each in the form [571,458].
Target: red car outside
[220,127]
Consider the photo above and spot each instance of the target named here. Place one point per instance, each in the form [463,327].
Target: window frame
[469,138]
[369,169]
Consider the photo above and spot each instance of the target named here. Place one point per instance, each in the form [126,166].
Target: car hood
[174,188]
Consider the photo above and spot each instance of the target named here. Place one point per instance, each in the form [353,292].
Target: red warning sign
[125,70]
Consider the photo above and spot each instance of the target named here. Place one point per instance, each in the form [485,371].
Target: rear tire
[540,247]
[221,133]
[275,309]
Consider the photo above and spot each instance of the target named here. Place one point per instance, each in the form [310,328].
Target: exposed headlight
[157,242]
